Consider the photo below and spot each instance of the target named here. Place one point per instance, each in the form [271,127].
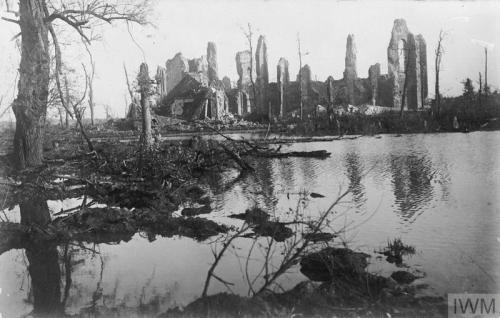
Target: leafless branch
[10,20]
[81,15]
[58,58]
[219,255]
[9,10]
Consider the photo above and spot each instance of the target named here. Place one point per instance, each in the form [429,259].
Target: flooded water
[437,192]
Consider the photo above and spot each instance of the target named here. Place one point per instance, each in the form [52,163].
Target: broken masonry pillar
[330,90]
[423,68]
[350,74]
[245,73]
[243,67]
[373,75]
[350,58]
[415,89]
[262,81]
[403,60]
[176,68]
[283,78]
[144,83]
[212,62]
[226,81]
[199,65]
[305,84]
[161,81]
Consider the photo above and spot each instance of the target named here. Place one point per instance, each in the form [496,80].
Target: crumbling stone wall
[283,79]
[305,78]
[161,82]
[407,67]
[373,75]
[212,62]
[244,83]
[199,65]
[176,68]
[423,68]
[350,73]
[226,81]
[330,92]
[262,80]
[407,62]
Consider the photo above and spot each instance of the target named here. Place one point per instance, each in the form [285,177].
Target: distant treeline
[467,112]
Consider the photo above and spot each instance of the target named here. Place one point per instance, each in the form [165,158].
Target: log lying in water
[290,140]
[321,154]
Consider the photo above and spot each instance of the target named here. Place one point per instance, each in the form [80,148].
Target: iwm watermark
[473,305]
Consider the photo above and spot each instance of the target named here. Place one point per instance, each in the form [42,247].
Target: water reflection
[45,279]
[354,172]
[411,180]
[43,262]
[34,210]
[417,182]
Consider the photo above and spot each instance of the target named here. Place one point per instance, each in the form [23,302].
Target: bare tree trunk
[30,106]
[300,80]
[437,64]
[437,97]
[480,90]
[486,89]
[249,36]
[90,80]
[91,103]
[145,87]
[61,120]
[78,113]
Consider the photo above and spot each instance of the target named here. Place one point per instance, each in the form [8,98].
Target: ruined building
[407,68]
[192,89]
[407,62]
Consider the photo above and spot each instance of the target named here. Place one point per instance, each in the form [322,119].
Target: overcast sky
[186,26]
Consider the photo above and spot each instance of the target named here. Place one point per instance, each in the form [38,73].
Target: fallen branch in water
[236,157]
[322,154]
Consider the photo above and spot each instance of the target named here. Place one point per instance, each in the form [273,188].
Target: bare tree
[144,83]
[300,77]
[37,19]
[290,251]
[437,62]
[90,81]
[78,108]
[486,88]
[480,90]
[107,110]
[249,36]
[133,103]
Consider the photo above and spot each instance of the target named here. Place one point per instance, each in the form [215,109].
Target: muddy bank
[344,290]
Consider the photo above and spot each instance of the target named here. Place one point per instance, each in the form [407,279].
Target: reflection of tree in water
[256,187]
[411,179]
[261,186]
[308,167]
[43,261]
[354,170]
[45,279]
[51,268]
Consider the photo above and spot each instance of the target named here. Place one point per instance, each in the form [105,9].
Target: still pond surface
[437,192]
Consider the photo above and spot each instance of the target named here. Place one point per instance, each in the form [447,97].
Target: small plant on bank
[396,250]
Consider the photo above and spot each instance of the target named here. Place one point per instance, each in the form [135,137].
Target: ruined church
[192,89]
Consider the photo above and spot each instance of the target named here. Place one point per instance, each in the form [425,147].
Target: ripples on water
[438,193]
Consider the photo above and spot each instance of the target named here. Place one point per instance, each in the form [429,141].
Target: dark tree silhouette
[37,19]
